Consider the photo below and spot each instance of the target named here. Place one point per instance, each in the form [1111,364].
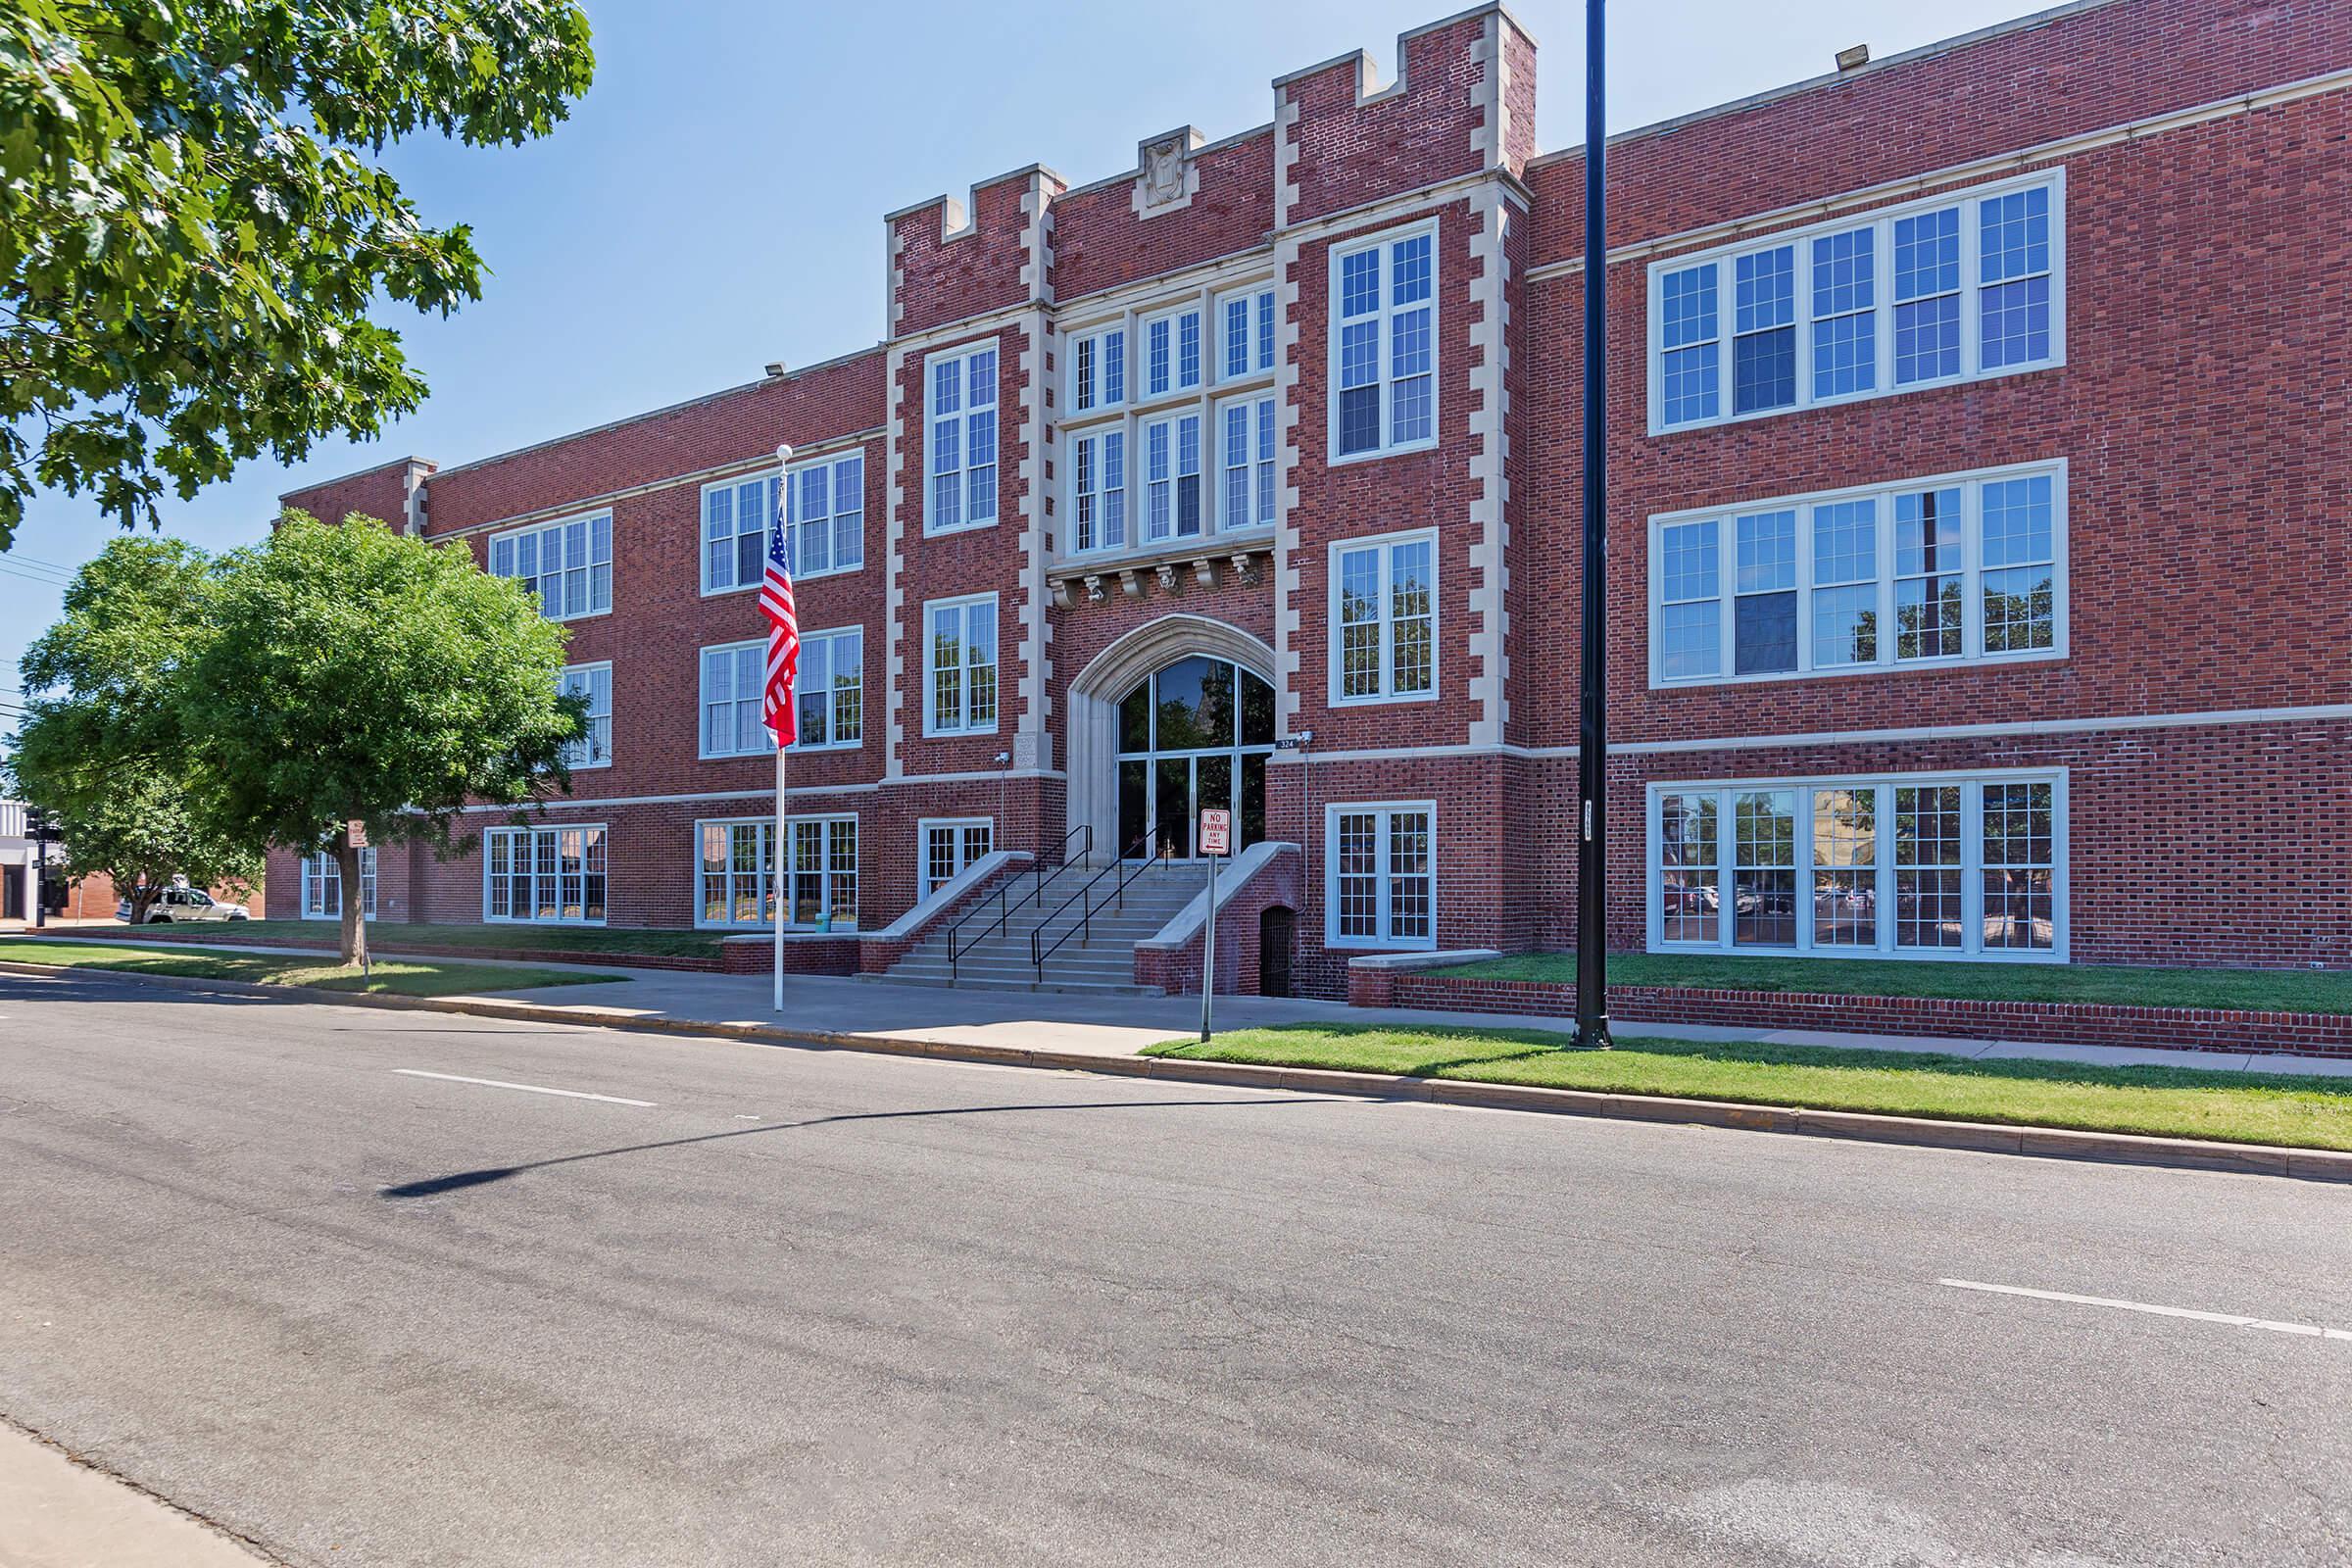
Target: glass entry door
[1195,736]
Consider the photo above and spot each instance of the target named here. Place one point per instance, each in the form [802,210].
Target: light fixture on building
[775,367]
[1853,59]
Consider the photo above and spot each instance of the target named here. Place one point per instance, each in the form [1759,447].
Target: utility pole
[1592,732]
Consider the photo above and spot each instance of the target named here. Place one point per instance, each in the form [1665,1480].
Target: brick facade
[2198,716]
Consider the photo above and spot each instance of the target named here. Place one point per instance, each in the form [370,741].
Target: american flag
[783,630]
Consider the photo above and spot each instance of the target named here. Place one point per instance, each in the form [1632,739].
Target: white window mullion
[1653,858]
[1886,565]
[1804,585]
[1727,552]
[1972,868]
[1884,848]
[1800,309]
[1805,870]
[1971,289]
[1727,860]
[1386,577]
[1883,308]
[1972,570]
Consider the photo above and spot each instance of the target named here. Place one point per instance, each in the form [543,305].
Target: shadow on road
[434,1186]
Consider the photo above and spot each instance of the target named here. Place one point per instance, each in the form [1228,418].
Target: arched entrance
[1193,735]
[1100,743]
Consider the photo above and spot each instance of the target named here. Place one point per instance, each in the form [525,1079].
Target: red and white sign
[1216,832]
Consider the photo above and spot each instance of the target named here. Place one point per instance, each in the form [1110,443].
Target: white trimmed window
[1952,289]
[1384,344]
[1245,334]
[545,876]
[594,682]
[1172,352]
[1099,370]
[951,845]
[1172,477]
[826,517]
[1953,569]
[1917,865]
[963,438]
[567,564]
[736,513]
[734,689]
[829,690]
[1384,609]
[1246,464]
[959,667]
[1098,491]
[1379,876]
[736,865]
[323,887]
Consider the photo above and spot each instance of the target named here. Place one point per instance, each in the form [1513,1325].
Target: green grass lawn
[2163,1102]
[2256,990]
[389,937]
[406,977]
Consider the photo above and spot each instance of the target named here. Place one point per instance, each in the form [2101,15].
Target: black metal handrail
[1040,878]
[1126,866]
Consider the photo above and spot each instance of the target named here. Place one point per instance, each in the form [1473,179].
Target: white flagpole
[779,877]
[779,880]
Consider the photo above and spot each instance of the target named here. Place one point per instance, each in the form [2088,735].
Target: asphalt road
[808,1307]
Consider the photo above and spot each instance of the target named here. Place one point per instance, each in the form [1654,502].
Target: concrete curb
[2049,1143]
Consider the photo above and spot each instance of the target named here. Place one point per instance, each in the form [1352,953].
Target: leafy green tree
[357,685]
[99,745]
[194,222]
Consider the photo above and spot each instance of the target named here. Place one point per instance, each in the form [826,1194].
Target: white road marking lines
[528,1089]
[2228,1319]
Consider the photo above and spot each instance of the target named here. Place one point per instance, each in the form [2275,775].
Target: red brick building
[1977,527]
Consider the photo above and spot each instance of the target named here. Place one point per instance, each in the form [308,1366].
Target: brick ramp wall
[1177,969]
[2187,1029]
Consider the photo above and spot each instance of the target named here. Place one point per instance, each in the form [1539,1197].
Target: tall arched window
[1196,735]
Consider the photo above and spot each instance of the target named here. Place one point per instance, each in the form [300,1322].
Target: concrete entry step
[1097,957]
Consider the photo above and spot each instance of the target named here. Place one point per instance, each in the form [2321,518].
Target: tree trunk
[355,911]
[141,900]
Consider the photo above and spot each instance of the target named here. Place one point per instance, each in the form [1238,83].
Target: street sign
[1216,832]
[1216,841]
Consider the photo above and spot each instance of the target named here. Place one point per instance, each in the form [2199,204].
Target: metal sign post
[1216,841]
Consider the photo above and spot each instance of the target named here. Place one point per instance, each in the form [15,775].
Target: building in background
[90,899]
[1977,533]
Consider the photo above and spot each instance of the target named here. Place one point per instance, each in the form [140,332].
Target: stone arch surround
[1094,706]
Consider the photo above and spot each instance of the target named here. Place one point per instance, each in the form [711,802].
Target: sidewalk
[1124,1026]
[55,1513]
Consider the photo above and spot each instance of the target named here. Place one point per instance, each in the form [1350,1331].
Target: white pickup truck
[185,904]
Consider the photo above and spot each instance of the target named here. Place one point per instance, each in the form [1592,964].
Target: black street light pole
[42,832]
[1592,732]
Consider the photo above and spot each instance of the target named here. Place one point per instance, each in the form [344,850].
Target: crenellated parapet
[1462,102]
[950,259]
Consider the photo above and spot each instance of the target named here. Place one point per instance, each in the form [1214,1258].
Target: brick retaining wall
[399,947]
[2187,1029]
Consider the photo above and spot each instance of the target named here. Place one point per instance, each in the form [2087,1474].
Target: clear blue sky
[716,202]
